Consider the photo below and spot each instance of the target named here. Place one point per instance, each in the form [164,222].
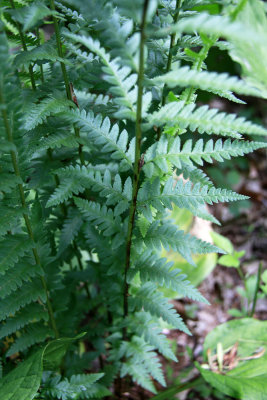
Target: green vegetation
[101,136]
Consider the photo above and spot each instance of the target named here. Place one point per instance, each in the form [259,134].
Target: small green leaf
[222,242]
[229,260]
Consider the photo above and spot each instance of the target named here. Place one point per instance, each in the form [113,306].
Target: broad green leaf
[55,350]
[23,382]
[248,380]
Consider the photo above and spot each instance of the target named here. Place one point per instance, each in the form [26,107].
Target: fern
[97,127]
[109,138]
[206,80]
[205,120]
[160,154]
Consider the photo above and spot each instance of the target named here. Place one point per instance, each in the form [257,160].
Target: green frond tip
[12,248]
[204,119]
[160,271]
[170,151]
[184,195]
[168,236]
[47,107]
[107,137]
[137,352]
[150,300]
[82,386]
[104,218]
[143,324]
[122,81]
[45,53]
[210,81]
[77,179]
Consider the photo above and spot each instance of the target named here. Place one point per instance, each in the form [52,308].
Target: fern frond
[103,218]
[39,112]
[210,81]
[183,195]
[204,119]
[139,374]
[143,324]
[33,13]
[149,299]
[35,333]
[76,179]
[218,25]
[80,386]
[9,217]
[28,293]
[142,354]
[121,79]
[45,53]
[11,249]
[168,236]
[31,313]
[109,138]
[194,174]
[17,275]
[167,151]
[158,270]
[70,229]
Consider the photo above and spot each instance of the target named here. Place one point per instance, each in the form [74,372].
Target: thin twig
[170,55]
[256,290]
[138,136]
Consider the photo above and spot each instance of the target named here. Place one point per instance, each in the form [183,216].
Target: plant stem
[41,66]
[138,137]
[169,61]
[202,55]
[24,46]
[238,9]
[24,206]
[167,394]
[172,44]
[256,290]
[65,76]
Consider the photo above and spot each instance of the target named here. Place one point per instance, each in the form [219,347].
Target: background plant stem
[138,137]
[256,290]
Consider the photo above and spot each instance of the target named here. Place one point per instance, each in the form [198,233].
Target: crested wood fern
[100,134]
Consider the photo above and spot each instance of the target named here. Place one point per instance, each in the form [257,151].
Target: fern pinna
[99,130]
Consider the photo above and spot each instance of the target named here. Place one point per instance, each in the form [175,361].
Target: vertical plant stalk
[202,55]
[65,76]
[137,166]
[24,46]
[172,44]
[25,216]
[256,290]
[39,42]
[170,55]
